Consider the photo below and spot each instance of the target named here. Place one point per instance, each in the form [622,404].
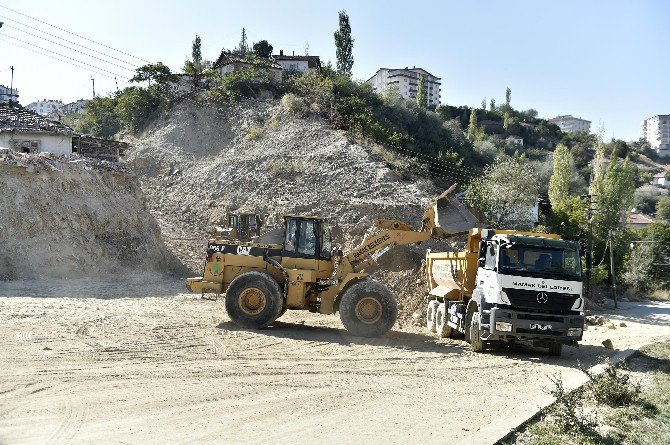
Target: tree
[422,93]
[100,118]
[663,209]
[493,105]
[344,45]
[505,194]
[263,49]
[559,184]
[506,120]
[243,47]
[157,73]
[508,98]
[135,106]
[472,126]
[484,104]
[193,67]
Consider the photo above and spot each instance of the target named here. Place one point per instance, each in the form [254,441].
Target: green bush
[135,106]
[100,118]
[614,386]
[292,104]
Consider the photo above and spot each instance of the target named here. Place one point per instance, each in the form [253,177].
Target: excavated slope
[199,161]
[65,219]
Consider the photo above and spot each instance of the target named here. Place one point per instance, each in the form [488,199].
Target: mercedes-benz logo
[542,297]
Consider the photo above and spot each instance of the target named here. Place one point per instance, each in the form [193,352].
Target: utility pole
[11,87]
[93,80]
[612,267]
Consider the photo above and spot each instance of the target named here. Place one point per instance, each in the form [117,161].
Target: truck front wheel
[253,300]
[555,349]
[368,309]
[476,342]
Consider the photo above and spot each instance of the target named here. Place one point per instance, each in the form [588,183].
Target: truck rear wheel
[441,317]
[253,300]
[368,309]
[431,312]
[476,342]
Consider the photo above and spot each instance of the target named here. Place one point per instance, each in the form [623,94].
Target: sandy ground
[160,366]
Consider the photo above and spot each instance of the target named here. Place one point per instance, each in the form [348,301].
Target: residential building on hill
[297,64]
[229,61]
[571,124]
[45,107]
[656,131]
[7,93]
[407,82]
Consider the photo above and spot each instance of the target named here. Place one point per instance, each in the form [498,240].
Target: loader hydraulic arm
[393,233]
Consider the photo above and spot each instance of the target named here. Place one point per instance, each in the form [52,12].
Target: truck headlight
[503,326]
[574,332]
[503,297]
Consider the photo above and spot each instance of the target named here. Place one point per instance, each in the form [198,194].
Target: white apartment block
[656,131]
[77,106]
[571,124]
[407,82]
[6,93]
[46,106]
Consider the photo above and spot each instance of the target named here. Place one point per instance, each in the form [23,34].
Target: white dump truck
[507,286]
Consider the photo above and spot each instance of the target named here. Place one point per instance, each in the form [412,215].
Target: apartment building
[407,82]
[46,107]
[6,93]
[571,124]
[656,131]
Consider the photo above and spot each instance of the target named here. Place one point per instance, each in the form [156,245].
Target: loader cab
[306,237]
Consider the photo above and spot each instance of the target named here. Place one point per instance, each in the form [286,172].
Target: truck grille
[540,301]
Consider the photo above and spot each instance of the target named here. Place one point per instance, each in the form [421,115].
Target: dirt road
[172,368]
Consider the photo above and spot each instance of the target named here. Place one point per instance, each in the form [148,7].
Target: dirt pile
[69,216]
[199,161]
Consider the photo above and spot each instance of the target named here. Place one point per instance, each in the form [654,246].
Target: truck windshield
[541,262]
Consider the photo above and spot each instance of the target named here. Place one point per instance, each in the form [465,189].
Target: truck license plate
[541,327]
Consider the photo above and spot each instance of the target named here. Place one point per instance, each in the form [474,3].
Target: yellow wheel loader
[296,267]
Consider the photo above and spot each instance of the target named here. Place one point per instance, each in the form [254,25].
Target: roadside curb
[503,427]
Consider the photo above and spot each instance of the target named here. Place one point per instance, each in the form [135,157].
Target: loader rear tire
[253,300]
[368,309]
[442,329]
[431,312]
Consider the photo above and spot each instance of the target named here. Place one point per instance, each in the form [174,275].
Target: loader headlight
[574,332]
[503,326]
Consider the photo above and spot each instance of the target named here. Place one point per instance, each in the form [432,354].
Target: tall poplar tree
[344,46]
[472,126]
[559,184]
[422,93]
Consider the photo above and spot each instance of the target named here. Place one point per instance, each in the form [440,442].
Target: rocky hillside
[68,217]
[198,161]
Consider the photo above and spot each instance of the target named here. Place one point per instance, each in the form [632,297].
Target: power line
[55,58]
[62,55]
[67,47]
[74,34]
[68,41]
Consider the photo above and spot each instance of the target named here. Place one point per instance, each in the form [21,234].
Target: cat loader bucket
[446,216]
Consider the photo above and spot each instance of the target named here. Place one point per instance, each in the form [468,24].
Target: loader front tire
[368,309]
[253,300]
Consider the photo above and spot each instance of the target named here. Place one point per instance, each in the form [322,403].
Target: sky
[605,61]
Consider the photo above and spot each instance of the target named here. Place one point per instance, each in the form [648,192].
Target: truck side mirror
[481,262]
